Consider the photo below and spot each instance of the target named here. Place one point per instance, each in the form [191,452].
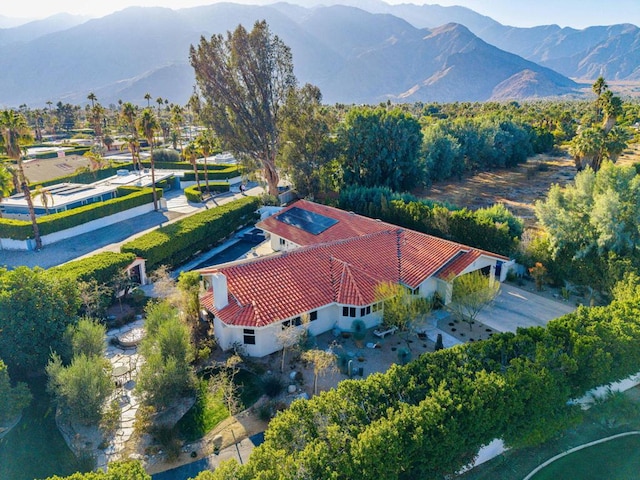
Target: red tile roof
[346,270]
[349,225]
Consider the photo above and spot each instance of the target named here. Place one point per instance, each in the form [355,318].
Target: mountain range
[366,52]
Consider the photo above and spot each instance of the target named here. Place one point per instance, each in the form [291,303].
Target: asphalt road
[111,237]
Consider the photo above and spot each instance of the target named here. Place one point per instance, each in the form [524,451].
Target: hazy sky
[526,13]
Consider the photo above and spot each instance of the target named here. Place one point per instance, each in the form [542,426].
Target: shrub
[176,243]
[101,267]
[272,386]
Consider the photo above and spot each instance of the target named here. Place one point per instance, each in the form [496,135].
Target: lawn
[617,415]
[617,459]
[209,409]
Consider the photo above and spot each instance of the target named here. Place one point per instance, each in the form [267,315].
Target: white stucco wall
[276,246]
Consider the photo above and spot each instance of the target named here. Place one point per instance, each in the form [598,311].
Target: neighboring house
[329,266]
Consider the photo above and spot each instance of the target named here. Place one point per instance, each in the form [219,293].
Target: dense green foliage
[177,242]
[380,147]
[101,267]
[494,229]
[36,307]
[591,228]
[122,470]
[429,418]
[167,374]
[82,387]
[12,398]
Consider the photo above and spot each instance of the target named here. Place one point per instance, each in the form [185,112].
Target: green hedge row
[212,167]
[101,267]
[177,242]
[128,198]
[194,194]
[77,150]
[428,419]
[494,229]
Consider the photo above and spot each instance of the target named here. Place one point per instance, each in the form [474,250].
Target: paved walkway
[112,237]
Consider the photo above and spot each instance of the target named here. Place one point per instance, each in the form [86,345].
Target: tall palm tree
[190,153]
[93,98]
[133,145]
[177,117]
[6,183]
[45,197]
[147,125]
[15,135]
[206,143]
[147,97]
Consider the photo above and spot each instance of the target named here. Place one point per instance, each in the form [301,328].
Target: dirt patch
[517,188]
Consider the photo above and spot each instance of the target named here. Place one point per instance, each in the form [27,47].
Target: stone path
[128,361]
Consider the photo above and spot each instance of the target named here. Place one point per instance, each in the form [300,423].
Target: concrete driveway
[515,307]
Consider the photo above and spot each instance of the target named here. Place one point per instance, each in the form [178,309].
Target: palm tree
[45,196]
[177,117]
[147,125]
[15,135]
[147,97]
[93,98]
[96,161]
[6,183]
[206,143]
[133,145]
[190,153]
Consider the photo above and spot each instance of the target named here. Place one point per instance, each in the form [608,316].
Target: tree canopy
[245,80]
[35,309]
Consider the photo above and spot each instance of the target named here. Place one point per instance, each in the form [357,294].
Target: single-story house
[327,268]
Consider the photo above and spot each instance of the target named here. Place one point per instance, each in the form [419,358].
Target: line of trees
[429,418]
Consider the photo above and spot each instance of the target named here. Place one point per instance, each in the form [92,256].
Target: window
[313,316]
[249,336]
[285,324]
[349,312]
[297,321]
[283,242]
[415,291]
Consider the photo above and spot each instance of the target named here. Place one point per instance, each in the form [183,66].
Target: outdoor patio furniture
[383,333]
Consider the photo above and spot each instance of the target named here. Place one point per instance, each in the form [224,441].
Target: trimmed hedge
[101,267]
[129,197]
[194,194]
[177,242]
[225,174]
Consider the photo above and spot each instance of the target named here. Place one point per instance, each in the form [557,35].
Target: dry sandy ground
[519,188]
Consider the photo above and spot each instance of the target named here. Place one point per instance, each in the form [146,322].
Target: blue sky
[525,13]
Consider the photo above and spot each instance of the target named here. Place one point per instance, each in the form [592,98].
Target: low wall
[9,244]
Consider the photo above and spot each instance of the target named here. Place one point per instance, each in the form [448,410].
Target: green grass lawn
[620,413]
[617,459]
[209,409]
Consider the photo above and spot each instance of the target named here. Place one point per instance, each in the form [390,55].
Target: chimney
[220,292]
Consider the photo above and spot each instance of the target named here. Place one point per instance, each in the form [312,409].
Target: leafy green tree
[16,134]
[206,144]
[81,387]
[306,146]
[400,307]
[380,147]
[596,213]
[6,183]
[167,374]
[323,363]
[12,398]
[87,337]
[245,80]
[472,292]
[35,309]
[443,155]
[120,470]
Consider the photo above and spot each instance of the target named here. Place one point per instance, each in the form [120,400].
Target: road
[110,238]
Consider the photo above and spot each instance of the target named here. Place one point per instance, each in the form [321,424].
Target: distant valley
[370,54]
